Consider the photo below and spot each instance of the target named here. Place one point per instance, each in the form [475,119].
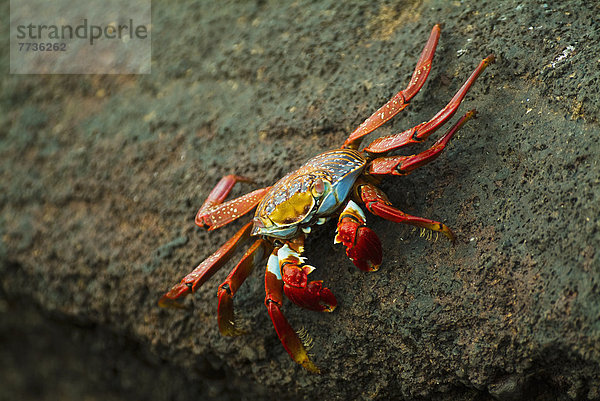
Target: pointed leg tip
[310,366]
[225,315]
[303,360]
[489,60]
[471,114]
[289,338]
[169,303]
[450,235]
[173,298]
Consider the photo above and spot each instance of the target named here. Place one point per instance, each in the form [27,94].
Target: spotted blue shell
[338,169]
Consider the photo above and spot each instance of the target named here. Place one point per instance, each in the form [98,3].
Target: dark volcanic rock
[102,175]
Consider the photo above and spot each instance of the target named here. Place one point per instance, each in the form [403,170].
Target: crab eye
[318,188]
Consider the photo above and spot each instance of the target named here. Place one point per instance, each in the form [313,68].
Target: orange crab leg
[422,131]
[220,192]
[214,213]
[274,301]
[402,165]
[401,99]
[225,213]
[205,270]
[377,203]
[254,255]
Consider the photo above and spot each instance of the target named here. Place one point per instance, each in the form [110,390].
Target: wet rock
[102,177]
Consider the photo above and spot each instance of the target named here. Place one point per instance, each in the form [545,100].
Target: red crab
[328,185]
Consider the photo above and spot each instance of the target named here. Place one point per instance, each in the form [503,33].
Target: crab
[330,185]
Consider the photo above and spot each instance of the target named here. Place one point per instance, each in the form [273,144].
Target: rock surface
[102,175]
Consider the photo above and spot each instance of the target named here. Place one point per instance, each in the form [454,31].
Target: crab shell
[308,195]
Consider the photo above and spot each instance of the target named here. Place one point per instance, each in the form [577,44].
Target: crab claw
[363,246]
[366,252]
[313,295]
[310,295]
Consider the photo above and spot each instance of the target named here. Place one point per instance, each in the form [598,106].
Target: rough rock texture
[101,177]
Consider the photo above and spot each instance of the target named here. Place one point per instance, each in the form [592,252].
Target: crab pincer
[363,246]
[309,295]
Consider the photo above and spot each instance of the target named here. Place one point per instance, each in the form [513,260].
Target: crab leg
[401,99]
[377,203]
[214,213]
[238,275]
[221,190]
[205,270]
[274,301]
[422,131]
[363,246]
[402,165]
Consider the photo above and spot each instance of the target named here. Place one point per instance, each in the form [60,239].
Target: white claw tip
[354,207]
[285,252]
